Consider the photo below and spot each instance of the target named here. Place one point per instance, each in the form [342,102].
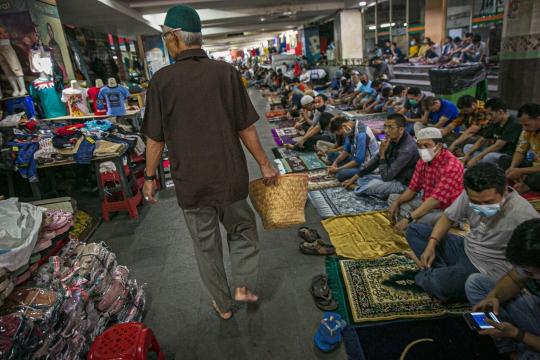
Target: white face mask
[427,154]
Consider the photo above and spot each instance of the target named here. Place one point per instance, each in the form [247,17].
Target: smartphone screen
[479,319]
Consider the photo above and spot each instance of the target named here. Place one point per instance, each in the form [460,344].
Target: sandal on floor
[214,305]
[320,291]
[317,248]
[310,235]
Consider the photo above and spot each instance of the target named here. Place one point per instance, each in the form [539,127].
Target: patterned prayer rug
[304,162]
[338,201]
[277,119]
[282,152]
[285,136]
[364,236]
[285,123]
[375,125]
[384,289]
[319,179]
[533,198]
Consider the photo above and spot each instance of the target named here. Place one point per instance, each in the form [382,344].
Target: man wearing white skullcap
[439,174]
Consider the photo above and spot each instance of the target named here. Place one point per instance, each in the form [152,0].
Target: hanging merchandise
[115,96]
[100,107]
[43,88]
[10,64]
[76,96]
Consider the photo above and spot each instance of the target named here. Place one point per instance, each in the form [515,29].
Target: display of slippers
[319,247]
[321,293]
[310,235]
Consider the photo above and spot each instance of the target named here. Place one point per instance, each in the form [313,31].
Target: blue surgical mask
[413,102]
[412,43]
[486,210]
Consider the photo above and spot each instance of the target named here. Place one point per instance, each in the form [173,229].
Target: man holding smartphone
[518,333]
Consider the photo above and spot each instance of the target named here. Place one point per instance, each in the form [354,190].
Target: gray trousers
[429,219]
[238,219]
[379,188]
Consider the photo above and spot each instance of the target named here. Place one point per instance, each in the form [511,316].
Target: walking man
[200,109]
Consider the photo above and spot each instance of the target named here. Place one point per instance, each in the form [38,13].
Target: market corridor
[157,249]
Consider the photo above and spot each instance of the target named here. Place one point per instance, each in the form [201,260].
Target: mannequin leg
[14,85]
[22,88]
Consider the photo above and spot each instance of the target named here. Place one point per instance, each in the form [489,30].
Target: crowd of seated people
[440,166]
[470,49]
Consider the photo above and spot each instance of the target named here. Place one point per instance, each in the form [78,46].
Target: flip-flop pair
[320,290]
[319,247]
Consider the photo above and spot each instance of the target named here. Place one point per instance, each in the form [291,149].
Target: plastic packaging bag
[19,228]
[455,78]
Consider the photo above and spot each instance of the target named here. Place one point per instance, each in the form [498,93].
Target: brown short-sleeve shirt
[197,106]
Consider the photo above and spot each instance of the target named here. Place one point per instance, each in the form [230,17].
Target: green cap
[183,17]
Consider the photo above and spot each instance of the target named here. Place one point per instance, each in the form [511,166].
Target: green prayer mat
[382,289]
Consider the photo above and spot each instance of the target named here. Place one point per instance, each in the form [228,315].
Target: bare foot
[351,187]
[224,316]
[289,147]
[522,188]
[410,255]
[244,295]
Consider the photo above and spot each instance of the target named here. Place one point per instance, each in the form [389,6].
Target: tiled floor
[158,250]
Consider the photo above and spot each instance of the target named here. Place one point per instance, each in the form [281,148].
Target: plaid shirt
[441,180]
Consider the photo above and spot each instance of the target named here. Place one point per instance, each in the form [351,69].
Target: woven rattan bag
[280,206]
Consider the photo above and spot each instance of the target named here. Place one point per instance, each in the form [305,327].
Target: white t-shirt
[76,99]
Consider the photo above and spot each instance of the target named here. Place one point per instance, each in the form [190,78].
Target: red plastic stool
[125,341]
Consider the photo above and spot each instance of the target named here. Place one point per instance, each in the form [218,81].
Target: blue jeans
[344,174]
[378,188]
[469,57]
[523,311]
[451,267]
[378,107]
[25,160]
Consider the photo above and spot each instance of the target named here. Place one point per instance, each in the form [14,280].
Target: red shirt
[100,106]
[442,180]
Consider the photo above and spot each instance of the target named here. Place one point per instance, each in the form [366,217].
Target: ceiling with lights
[226,24]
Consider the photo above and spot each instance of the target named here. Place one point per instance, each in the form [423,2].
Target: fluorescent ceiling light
[362,3]
[373,27]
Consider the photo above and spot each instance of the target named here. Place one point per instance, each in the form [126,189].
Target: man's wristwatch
[520,335]
[409,218]
[149,178]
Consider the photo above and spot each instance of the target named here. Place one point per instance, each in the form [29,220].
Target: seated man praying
[439,175]
[501,136]
[396,162]
[474,120]
[377,100]
[360,146]
[518,333]
[439,113]
[320,122]
[525,173]
[493,211]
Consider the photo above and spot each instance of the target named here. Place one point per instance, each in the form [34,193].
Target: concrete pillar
[519,66]
[435,20]
[349,35]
